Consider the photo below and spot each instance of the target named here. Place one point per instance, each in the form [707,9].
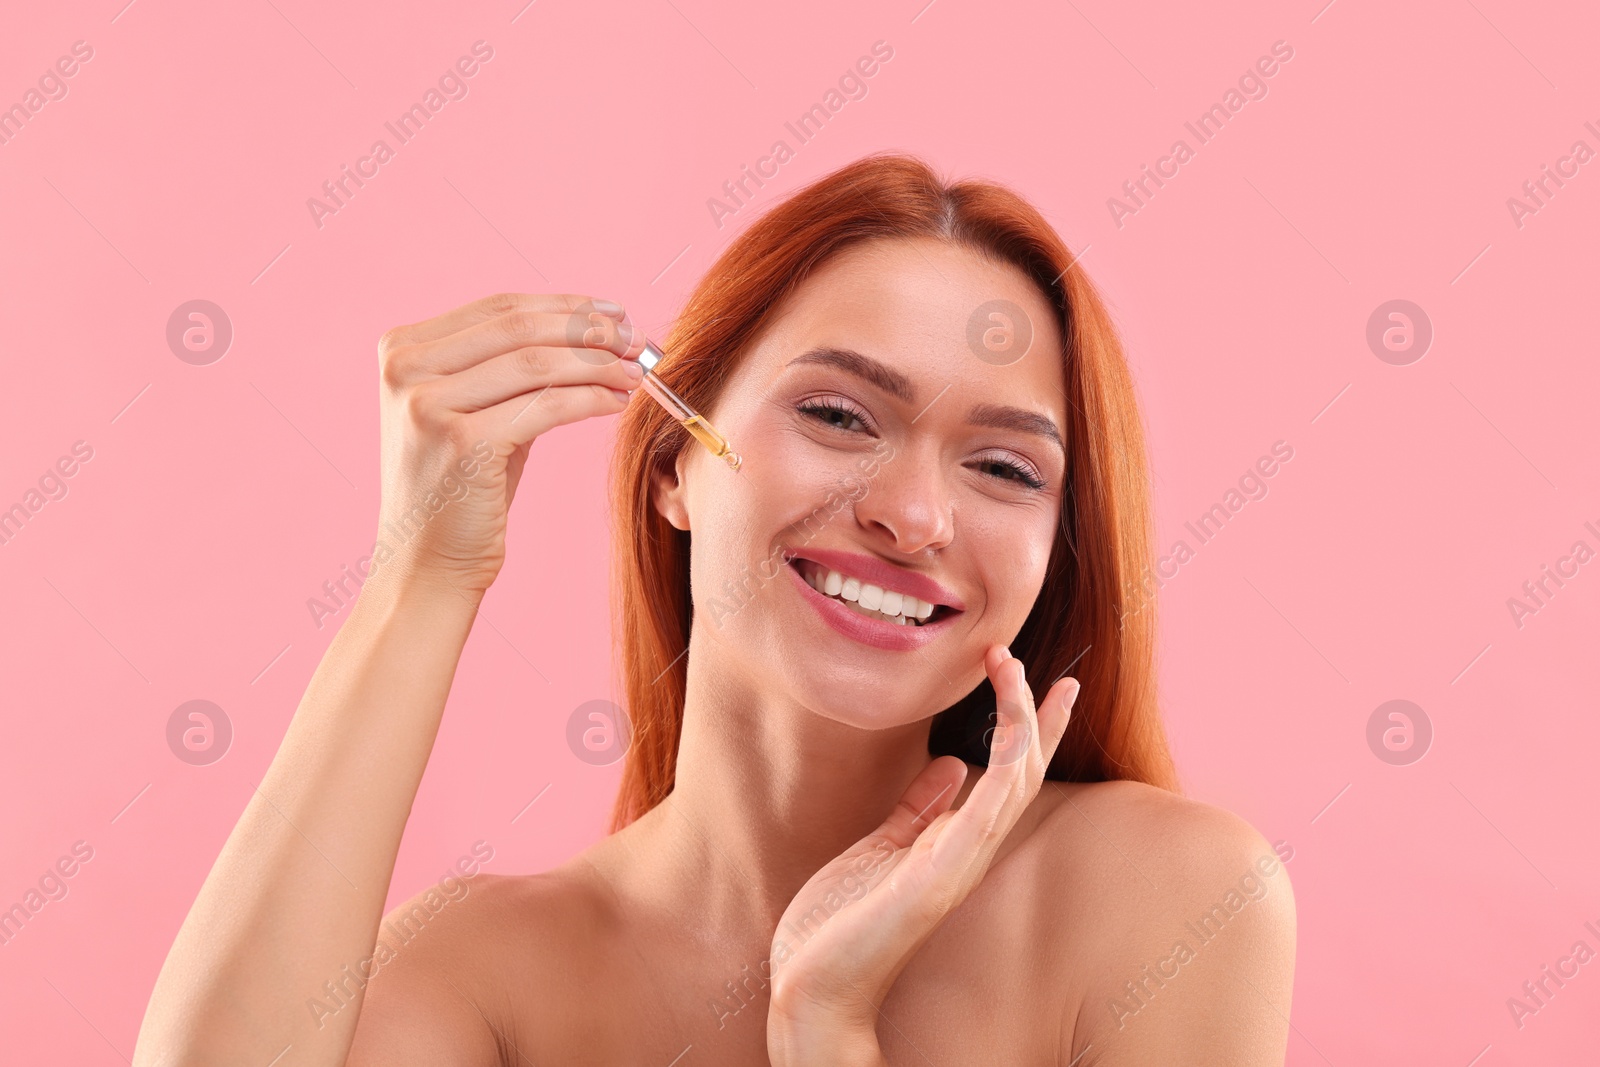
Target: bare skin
[607,971]
[1007,914]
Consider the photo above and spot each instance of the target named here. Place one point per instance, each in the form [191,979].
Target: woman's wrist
[797,1042]
[416,592]
[833,1054]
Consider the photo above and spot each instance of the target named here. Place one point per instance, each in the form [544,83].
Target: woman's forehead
[932,309]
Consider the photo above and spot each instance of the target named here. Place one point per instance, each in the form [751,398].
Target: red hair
[1087,619]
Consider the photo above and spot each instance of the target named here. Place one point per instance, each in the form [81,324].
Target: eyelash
[820,407]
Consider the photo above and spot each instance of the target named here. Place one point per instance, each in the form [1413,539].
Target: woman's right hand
[464,394]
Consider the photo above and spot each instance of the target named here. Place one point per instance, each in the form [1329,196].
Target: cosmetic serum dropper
[687,417]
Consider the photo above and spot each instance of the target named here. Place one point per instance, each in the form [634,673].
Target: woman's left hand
[855,925]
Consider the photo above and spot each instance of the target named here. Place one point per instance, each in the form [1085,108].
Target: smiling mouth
[866,599]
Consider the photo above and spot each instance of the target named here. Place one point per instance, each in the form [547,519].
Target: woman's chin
[882,705]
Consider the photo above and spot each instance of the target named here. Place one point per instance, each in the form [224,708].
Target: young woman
[847,834]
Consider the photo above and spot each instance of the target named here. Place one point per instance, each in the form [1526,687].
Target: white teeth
[898,608]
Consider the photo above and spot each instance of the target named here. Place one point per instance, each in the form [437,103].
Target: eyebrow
[897,385]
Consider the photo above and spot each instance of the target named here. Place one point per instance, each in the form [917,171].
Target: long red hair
[1089,618]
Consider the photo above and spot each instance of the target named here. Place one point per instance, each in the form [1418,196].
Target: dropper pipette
[687,416]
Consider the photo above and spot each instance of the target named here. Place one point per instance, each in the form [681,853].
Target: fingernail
[621,394]
[609,307]
[626,331]
[1005,652]
[631,368]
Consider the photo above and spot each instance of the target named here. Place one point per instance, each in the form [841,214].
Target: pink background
[1418,500]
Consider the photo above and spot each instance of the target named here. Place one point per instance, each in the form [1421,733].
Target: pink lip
[878,633]
[884,575]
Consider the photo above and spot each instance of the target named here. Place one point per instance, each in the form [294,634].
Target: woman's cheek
[801,472]
[1021,554]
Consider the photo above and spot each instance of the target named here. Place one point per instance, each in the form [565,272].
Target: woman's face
[896,433]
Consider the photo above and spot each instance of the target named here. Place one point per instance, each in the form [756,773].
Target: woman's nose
[909,504]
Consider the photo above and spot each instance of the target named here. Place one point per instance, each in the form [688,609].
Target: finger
[997,801]
[1054,715]
[528,370]
[492,307]
[1013,737]
[930,795]
[589,336]
[522,418]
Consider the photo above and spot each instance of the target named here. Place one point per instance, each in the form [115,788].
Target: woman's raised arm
[297,894]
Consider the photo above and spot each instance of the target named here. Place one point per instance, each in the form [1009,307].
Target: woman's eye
[833,414]
[1011,472]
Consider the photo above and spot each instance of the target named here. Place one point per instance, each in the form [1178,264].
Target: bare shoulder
[439,985]
[1148,829]
[1175,921]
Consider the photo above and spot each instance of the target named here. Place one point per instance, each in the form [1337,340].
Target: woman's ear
[668,493]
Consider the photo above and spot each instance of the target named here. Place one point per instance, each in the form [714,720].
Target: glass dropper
[687,416]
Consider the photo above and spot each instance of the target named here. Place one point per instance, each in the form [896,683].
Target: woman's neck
[766,792]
